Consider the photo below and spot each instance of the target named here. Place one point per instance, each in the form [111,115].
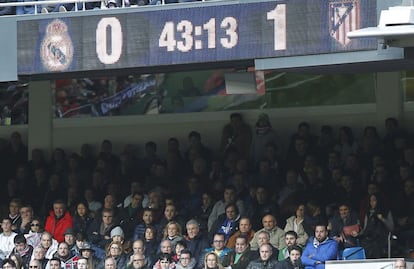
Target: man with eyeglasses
[186,260]
[137,261]
[35,264]
[219,247]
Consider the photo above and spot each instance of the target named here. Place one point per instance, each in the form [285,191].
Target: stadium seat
[355,253]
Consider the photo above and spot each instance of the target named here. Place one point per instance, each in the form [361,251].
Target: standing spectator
[319,249]
[58,221]
[378,223]
[6,238]
[238,135]
[262,136]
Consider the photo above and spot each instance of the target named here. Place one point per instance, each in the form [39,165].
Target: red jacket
[58,227]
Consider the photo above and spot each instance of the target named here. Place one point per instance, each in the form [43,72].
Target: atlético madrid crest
[344,18]
[56,50]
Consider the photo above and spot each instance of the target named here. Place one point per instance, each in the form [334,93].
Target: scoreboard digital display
[180,34]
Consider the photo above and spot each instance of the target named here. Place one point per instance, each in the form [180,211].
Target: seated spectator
[245,229]
[81,219]
[319,249]
[164,262]
[291,238]
[65,256]
[137,261]
[6,238]
[49,244]
[170,215]
[116,252]
[265,261]
[35,264]
[344,226]
[151,243]
[39,255]
[226,223]
[8,263]
[58,221]
[173,232]
[99,232]
[218,247]
[211,261]
[196,243]
[23,250]
[263,237]
[186,260]
[147,220]
[295,223]
[86,251]
[277,235]
[238,258]
[26,217]
[131,214]
[293,261]
[35,232]
[261,206]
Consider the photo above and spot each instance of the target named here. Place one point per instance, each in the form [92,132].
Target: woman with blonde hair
[211,261]
[173,232]
[115,250]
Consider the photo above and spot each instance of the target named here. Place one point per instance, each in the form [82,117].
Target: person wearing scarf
[22,249]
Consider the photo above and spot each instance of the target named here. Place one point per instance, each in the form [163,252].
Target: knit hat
[117,231]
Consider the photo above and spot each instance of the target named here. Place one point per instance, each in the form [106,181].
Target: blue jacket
[327,250]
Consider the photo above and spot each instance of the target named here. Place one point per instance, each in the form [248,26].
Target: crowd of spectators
[46,8]
[195,208]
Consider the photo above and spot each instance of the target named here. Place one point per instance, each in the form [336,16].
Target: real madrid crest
[56,50]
